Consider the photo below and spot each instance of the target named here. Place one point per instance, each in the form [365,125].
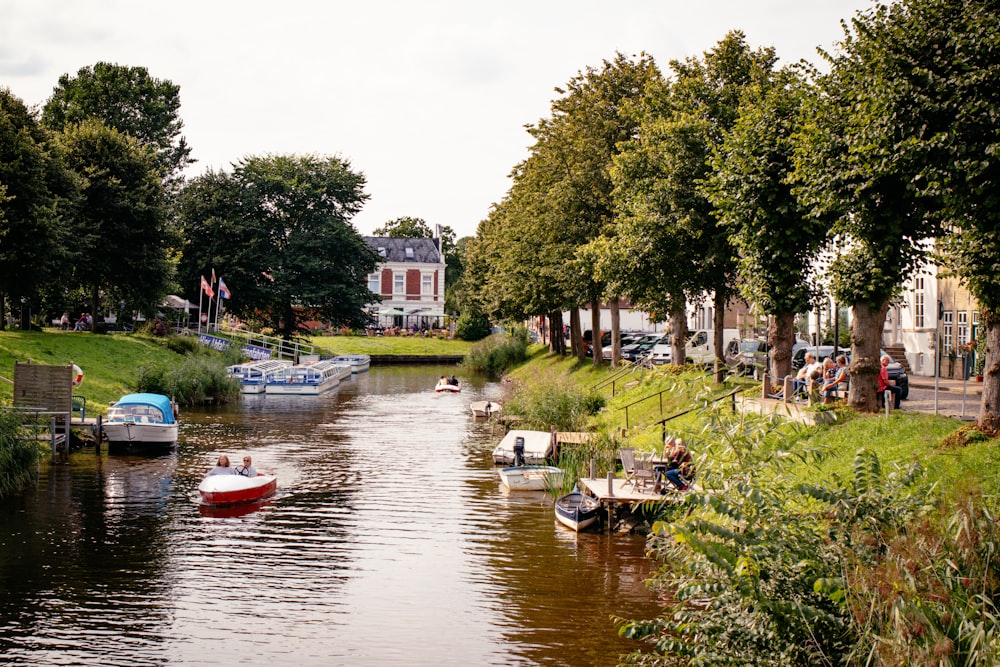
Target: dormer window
[381,250]
[409,252]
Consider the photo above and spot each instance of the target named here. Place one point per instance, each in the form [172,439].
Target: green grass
[390,345]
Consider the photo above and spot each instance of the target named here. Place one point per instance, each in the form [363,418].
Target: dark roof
[395,250]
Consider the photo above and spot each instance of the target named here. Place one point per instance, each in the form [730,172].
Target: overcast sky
[427,98]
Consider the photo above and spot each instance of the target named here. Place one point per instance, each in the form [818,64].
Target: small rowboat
[484,409]
[577,510]
[234,489]
[531,478]
[445,386]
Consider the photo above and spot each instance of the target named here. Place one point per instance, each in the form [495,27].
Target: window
[409,252]
[947,340]
[427,284]
[381,251]
[975,324]
[374,282]
[399,283]
[963,329]
[918,302]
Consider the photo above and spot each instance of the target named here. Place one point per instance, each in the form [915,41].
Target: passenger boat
[253,376]
[234,489]
[484,409]
[531,477]
[359,363]
[444,386]
[141,420]
[577,510]
[537,448]
[308,379]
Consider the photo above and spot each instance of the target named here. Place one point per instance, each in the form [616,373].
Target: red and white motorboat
[234,489]
[443,386]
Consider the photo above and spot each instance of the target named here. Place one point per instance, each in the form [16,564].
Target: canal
[390,542]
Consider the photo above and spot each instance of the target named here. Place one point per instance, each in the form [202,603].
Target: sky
[427,98]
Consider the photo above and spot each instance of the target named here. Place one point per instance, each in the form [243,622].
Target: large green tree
[129,100]
[776,239]
[279,231]
[38,199]
[121,230]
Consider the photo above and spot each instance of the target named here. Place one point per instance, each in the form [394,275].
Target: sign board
[49,388]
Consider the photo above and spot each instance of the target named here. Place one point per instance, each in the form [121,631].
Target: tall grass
[18,455]
[193,379]
[497,353]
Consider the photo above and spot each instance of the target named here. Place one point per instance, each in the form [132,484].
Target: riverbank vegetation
[870,540]
[498,352]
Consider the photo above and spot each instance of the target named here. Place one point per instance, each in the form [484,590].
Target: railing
[46,426]
[278,348]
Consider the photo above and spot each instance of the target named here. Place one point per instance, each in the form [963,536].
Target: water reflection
[389,541]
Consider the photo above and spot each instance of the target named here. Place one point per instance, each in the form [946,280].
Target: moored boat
[358,362]
[309,379]
[253,376]
[484,409]
[577,510]
[141,420]
[531,477]
[235,489]
[537,447]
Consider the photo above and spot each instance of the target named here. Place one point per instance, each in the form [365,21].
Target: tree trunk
[557,341]
[678,335]
[616,334]
[781,338]
[719,342]
[595,332]
[989,408]
[3,311]
[866,347]
[576,334]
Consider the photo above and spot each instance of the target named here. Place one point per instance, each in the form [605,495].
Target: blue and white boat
[254,375]
[577,510]
[141,420]
[308,379]
[359,363]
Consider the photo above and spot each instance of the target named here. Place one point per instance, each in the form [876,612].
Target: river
[390,541]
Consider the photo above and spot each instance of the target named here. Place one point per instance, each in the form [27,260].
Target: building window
[975,324]
[918,302]
[963,329]
[427,284]
[947,340]
[375,282]
[399,283]
[409,252]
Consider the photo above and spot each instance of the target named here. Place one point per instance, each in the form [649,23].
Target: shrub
[472,327]
[197,378]
[561,405]
[497,353]
[18,456]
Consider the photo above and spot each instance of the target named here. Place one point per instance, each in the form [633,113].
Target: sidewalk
[955,398]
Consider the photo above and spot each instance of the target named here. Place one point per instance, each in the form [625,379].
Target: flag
[206,288]
[223,290]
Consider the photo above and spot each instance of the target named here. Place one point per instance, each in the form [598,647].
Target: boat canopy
[158,401]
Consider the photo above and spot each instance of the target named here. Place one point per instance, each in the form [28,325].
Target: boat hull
[537,447]
[141,420]
[484,409]
[221,490]
[124,434]
[531,478]
[445,388]
[577,511]
[359,363]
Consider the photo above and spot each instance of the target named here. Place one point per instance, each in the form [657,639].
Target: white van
[700,348]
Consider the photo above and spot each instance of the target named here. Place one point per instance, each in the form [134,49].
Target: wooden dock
[619,493]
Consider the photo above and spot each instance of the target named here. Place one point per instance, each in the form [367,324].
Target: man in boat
[221,467]
[453,381]
[247,469]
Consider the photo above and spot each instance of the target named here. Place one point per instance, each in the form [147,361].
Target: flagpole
[201,296]
[214,292]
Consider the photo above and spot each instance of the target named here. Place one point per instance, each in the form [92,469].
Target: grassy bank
[390,345]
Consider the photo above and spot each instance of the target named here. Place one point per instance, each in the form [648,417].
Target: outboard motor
[519,451]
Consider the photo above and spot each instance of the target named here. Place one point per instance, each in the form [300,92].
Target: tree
[38,200]
[279,229]
[775,237]
[856,165]
[121,230]
[129,100]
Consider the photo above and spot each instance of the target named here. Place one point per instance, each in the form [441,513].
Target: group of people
[222,467]
[82,324]
[821,380]
[453,381]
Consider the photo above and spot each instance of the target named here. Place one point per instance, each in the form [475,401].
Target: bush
[561,405]
[198,378]
[496,354]
[18,456]
[472,327]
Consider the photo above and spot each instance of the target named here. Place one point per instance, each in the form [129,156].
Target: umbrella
[389,312]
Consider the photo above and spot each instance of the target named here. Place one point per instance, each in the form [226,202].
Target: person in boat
[221,467]
[679,469]
[453,381]
[247,469]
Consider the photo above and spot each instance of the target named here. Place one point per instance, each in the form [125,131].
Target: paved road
[954,398]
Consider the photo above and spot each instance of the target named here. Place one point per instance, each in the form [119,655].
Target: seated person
[799,385]
[841,377]
[679,468]
[453,381]
[813,386]
[885,384]
[829,381]
[247,469]
[221,467]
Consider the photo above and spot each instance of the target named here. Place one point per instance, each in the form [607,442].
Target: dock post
[593,469]
[99,435]
[611,484]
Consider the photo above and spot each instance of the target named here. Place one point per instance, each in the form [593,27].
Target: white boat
[233,489]
[443,386]
[308,379]
[484,409]
[254,375]
[141,420]
[531,478]
[577,510]
[537,448]
[359,363]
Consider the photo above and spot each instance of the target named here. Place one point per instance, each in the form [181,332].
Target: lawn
[390,345]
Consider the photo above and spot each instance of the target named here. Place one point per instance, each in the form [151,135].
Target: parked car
[640,348]
[628,337]
[753,356]
[896,371]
